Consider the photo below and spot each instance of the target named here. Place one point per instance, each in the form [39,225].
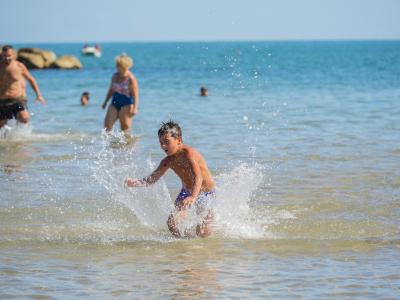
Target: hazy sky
[182,20]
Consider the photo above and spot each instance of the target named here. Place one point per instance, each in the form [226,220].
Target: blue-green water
[302,137]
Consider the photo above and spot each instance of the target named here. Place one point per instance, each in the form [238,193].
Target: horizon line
[206,41]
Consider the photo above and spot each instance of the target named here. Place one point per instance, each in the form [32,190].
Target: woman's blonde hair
[124,61]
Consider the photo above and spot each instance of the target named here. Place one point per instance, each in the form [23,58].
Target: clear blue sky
[28,21]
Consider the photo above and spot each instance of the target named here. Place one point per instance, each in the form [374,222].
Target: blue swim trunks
[203,201]
[120,100]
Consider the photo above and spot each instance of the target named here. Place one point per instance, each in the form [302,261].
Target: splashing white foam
[15,132]
[151,205]
[234,216]
[19,132]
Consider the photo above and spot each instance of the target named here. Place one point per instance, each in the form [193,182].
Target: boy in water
[198,186]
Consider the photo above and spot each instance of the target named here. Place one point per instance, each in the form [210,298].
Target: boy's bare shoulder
[191,152]
[188,149]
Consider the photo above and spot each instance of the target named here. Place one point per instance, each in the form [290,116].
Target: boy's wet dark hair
[85,94]
[170,127]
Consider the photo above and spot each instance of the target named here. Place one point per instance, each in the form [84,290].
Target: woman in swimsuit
[124,92]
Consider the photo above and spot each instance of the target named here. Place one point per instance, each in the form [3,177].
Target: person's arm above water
[135,92]
[198,179]
[152,178]
[33,83]
[109,94]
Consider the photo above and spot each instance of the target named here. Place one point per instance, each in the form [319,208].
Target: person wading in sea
[13,101]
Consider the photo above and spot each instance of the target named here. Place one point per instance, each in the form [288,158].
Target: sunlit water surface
[303,141]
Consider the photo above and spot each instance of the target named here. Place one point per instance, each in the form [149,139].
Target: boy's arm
[198,179]
[152,178]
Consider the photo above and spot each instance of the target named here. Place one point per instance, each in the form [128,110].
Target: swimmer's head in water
[203,91]
[170,127]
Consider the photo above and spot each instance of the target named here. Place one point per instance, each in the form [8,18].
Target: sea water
[301,137]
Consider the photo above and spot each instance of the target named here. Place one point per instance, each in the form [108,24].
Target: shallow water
[302,138]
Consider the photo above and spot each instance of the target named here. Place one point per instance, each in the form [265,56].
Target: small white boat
[91,51]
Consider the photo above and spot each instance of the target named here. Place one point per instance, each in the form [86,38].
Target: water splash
[19,132]
[15,132]
[117,160]
[151,205]
[107,211]
[234,215]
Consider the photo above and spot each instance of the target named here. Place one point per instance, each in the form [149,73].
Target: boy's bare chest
[181,166]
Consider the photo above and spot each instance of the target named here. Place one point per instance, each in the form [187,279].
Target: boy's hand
[132,182]
[188,201]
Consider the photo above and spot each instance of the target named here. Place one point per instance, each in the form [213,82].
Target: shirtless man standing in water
[12,88]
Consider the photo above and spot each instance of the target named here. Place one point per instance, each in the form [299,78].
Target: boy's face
[170,144]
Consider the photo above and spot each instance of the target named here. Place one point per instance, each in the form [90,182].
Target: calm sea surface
[302,138]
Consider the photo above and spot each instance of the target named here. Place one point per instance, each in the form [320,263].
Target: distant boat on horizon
[91,50]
